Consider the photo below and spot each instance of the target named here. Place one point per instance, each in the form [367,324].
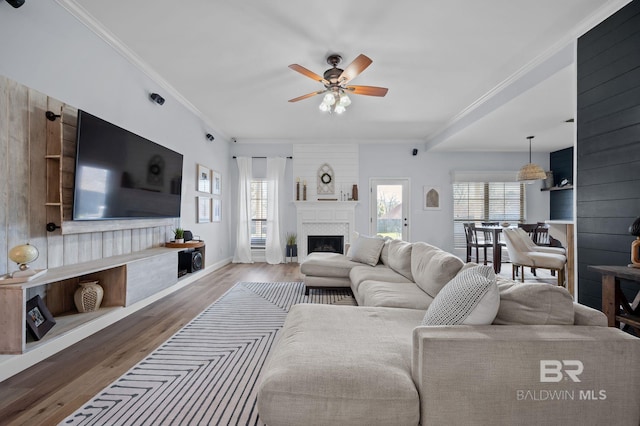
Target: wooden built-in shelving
[126,279]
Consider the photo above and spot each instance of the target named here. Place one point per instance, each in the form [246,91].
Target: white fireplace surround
[324,218]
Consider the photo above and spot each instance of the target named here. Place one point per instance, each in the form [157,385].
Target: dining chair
[522,254]
[473,242]
[529,228]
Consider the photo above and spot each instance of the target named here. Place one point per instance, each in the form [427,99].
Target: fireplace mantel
[324,218]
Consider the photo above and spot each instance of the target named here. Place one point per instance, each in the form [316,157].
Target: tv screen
[120,175]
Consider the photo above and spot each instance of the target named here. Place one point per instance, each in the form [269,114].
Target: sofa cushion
[393,295]
[432,268]
[400,257]
[341,365]
[534,304]
[471,298]
[366,250]
[379,273]
[327,265]
[384,254]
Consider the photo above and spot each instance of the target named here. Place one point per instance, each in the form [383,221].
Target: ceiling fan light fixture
[339,109]
[531,172]
[344,100]
[329,99]
[324,107]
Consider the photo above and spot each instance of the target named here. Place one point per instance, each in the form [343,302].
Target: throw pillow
[366,250]
[534,304]
[471,298]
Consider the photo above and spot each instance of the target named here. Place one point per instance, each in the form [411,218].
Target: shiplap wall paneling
[4,183]
[608,147]
[36,187]
[343,158]
[17,166]
[37,176]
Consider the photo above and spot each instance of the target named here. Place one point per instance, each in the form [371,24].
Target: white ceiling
[227,60]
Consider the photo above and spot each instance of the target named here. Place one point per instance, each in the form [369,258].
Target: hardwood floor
[48,392]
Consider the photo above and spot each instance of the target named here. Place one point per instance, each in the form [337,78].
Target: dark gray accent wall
[561,202]
[608,146]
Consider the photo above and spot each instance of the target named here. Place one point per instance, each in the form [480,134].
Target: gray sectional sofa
[521,354]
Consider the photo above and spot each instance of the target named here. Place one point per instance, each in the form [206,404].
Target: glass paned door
[390,208]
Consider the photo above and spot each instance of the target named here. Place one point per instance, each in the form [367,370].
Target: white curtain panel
[275,177]
[243,233]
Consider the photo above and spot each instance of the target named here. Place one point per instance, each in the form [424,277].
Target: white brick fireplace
[324,218]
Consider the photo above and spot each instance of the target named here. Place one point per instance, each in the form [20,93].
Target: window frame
[483,208]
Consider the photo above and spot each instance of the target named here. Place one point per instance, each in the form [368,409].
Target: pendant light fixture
[531,172]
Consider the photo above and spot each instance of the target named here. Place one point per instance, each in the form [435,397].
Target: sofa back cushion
[366,250]
[432,268]
[399,257]
[534,304]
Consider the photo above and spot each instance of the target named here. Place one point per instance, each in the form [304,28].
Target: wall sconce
[51,116]
[157,98]
[16,3]
[210,137]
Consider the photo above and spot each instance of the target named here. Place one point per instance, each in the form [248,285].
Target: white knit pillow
[470,298]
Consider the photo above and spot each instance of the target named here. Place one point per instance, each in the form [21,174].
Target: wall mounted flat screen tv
[120,175]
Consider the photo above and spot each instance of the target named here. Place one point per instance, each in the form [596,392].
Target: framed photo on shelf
[216,184]
[39,319]
[431,200]
[217,210]
[204,209]
[204,179]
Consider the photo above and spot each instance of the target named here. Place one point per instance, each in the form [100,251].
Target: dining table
[494,231]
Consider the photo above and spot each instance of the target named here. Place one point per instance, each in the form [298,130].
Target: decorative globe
[23,254]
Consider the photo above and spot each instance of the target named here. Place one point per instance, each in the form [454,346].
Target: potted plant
[178,233]
[292,247]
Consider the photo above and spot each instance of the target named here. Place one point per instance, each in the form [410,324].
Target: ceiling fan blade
[367,90]
[308,95]
[302,70]
[358,65]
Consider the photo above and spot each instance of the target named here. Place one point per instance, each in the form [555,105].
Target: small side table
[614,303]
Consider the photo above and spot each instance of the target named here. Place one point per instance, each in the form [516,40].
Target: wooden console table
[614,303]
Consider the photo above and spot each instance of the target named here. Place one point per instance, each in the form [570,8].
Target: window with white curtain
[258,213]
[485,202]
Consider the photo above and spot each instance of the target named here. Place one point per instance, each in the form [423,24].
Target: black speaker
[188,235]
[16,3]
[190,261]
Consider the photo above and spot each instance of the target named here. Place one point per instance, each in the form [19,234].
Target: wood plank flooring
[48,392]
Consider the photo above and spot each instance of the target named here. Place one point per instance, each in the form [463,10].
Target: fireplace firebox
[325,243]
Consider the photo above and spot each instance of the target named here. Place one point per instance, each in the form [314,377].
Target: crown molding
[84,17]
[489,101]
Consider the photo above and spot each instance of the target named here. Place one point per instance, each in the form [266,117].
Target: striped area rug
[206,373]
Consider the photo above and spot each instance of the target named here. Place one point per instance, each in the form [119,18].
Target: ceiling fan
[335,82]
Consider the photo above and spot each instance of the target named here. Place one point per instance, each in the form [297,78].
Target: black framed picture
[39,319]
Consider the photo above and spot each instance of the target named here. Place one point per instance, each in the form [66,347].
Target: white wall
[435,169]
[47,49]
[394,160]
